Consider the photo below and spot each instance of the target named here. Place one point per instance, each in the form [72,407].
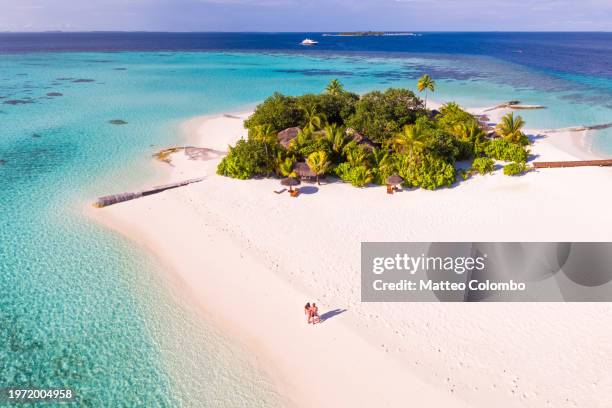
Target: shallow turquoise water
[81,307]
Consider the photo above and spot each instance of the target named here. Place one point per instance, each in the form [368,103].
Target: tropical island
[382,137]
[368,34]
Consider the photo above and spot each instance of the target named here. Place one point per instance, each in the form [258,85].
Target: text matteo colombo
[458,265]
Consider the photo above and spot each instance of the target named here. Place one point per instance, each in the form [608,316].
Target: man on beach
[313,313]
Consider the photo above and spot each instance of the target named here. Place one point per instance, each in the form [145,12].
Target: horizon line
[295,32]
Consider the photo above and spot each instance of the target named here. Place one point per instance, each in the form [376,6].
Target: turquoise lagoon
[80,307]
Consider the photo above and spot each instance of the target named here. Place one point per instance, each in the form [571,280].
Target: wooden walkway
[576,163]
[121,197]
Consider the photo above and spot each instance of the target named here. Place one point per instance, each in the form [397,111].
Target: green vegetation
[356,175]
[515,169]
[483,165]
[501,149]
[429,172]
[365,139]
[379,115]
[249,158]
[280,112]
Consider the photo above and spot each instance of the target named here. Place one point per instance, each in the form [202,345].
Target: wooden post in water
[574,163]
[105,201]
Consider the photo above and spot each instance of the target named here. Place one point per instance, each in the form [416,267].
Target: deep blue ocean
[81,307]
[570,53]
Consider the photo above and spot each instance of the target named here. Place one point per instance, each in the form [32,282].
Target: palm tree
[468,131]
[382,163]
[264,133]
[450,108]
[511,128]
[473,134]
[336,136]
[355,154]
[314,120]
[303,136]
[318,163]
[334,87]
[411,139]
[285,167]
[426,84]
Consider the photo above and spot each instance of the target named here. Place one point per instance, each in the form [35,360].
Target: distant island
[369,34]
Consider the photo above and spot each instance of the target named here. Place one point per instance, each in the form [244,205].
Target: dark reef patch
[18,101]
[31,160]
[2,162]
[117,122]
[55,94]
[36,136]
[315,72]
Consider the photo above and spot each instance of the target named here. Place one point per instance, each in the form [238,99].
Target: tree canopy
[365,139]
[380,115]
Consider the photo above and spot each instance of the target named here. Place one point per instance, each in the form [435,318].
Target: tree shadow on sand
[328,315]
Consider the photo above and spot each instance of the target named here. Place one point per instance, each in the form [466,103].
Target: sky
[306,15]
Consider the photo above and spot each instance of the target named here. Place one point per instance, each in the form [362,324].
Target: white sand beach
[250,259]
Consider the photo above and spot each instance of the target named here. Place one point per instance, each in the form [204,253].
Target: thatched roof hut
[287,135]
[360,139]
[290,182]
[394,180]
[368,144]
[303,171]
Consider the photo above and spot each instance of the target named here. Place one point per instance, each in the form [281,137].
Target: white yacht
[308,41]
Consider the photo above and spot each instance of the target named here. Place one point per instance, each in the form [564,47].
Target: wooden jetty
[514,105]
[574,163]
[580,128]
[121,197]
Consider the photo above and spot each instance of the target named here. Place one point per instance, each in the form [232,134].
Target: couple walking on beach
[312,313]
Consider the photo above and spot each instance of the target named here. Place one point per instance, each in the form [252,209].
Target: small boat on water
[308,41]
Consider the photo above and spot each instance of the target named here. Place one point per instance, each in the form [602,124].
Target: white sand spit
[252,258]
